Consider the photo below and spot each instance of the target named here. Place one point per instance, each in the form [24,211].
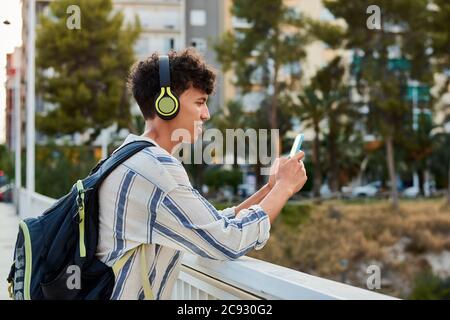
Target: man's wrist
[283,189]
[266,188]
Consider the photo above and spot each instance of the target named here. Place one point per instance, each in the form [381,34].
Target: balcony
[243,279]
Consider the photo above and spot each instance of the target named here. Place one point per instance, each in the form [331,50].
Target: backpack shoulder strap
[106,166]
[122,154]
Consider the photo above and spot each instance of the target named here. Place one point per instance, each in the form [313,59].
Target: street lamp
[30,108]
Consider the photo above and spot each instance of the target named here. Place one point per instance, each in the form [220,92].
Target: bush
[6,163]
[294,215]
[59,167]
[216,177]
[427,286]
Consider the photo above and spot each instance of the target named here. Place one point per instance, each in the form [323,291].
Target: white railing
[244,278]
[32,204]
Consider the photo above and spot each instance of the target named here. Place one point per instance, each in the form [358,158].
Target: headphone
[166,104]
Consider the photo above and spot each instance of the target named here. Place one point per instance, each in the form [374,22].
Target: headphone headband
[166,104]
[164,71]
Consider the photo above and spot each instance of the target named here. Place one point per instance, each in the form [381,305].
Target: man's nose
[205,113]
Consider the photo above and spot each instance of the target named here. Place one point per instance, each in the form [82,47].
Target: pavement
[9,224]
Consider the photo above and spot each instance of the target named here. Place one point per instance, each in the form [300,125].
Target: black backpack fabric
[54,256]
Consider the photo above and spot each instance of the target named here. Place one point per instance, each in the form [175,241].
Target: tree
[82,71]
[402,31]
[440,36]
[312,113]
[325,99]
[231,117]
[335,95]
[274,38]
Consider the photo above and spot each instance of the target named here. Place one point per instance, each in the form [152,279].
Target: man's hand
[291,174]
[274,171]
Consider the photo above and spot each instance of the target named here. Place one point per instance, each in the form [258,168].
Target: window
[160,19]
[198,18]
[141,47]
[240,23]
[169,43]
[199,44]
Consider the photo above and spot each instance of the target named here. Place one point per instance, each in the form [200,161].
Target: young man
[149,199]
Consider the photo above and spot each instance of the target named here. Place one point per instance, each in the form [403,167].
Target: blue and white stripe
[120,215]
[149,200]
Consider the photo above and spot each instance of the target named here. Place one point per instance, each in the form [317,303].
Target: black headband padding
[164,71]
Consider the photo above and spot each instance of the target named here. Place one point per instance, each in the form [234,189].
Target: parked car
[6,193]
[369,190]
[245,190]
[411,192]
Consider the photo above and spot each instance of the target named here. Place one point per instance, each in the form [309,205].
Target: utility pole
[17,136]
[30,134]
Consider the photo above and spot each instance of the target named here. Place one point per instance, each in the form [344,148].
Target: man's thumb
[298,156]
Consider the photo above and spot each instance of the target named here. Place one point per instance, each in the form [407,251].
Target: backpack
[54,255]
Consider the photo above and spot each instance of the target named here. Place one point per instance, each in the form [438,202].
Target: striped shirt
[149,200]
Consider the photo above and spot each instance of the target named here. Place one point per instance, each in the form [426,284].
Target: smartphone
[297,145]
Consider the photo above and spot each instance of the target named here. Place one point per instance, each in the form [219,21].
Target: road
[8,233]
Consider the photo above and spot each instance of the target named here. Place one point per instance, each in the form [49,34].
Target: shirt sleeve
[188,222]
[228,212]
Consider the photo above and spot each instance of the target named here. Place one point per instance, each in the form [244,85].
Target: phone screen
[296,146]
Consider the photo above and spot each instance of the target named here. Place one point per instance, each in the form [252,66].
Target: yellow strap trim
[81,217]
[11,290]
[118,265]
[148,293]
[28,261]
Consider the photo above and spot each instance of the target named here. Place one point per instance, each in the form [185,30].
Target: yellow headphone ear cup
[166,105]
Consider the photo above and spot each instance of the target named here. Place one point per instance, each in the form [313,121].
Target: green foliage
[82,72]
[257,53]
[216,178]
[440,158]
[440,33]
[428,286]
[326,98]
[6,161]
[59,167]
[293,215]
[404,28]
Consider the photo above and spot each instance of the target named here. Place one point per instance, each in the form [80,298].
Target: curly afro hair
[187,68]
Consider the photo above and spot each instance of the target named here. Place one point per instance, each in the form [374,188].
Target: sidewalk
[8,233]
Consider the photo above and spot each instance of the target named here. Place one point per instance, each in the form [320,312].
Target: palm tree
[311,112]
[232,116]
[326,98]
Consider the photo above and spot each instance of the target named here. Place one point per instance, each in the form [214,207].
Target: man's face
[193,112]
